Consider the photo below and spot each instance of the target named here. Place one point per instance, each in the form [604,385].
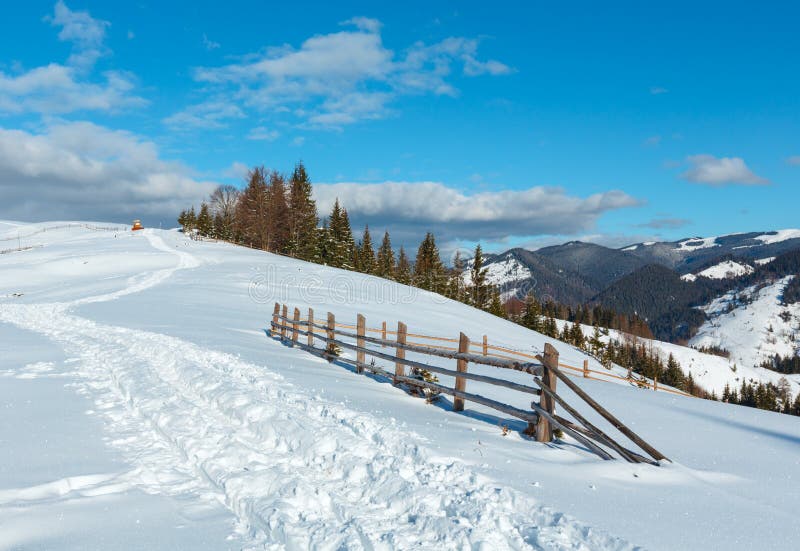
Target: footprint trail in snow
[296,471]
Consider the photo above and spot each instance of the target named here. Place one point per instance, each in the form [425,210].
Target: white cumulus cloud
[80,170]
[719,171]
[344,77]
[409,209]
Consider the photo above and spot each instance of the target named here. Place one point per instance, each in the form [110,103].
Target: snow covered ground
[753,325]
[144,407]
[725,269]
[507,273]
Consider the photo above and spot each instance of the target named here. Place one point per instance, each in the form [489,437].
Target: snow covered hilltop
[143,407]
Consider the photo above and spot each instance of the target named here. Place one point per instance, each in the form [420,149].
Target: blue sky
[509,122]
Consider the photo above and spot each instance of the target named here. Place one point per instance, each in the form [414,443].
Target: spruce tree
[278,213]
[191,220]
[342,237]
[595,342]
[673,375]
[252,216]
[385,259]
[204,223]
[182,218]
[429,272]
[532,315]
[495,305]
[366,254]
[796,405]
[479,291]
[325,247]
[303,218]
[455,284]
[402,272]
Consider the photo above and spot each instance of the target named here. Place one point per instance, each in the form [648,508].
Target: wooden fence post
[361,356]
[461,366]
[586,369]
[383,333]
[399,368]
[295,326]
[544,432]
[485,345]
[284,323]
[275,313]
[655,383]
[330,349]
[310,327]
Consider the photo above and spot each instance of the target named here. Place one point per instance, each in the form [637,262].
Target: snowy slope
[177,423]
[753,325]
[506,272]
[726,269]
[722,270]
[710,371]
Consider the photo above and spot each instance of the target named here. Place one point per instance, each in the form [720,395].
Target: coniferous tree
[191,221]
[204,222]
[252,212]
[182,218]
[429,272]
[303,218]
[550,328]
[576,336]
[479,291]
[385,258]
[325,249]
[278,213]
[532,315]
[595,341]
[495,305]
[673,374]
[342,237]
[366,254]
[796,405]
[456,287]
[402,272]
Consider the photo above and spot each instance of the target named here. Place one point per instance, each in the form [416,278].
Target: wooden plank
[311,326]
[593,431]
[295,327]
[485,345]
[275,314]
[552,421]
[400,351]
[478,399]
[361,326]
[586,369]
[330,350]
[440,370]
[285,312]
[635,438]
[525,367]
[461,367]
[383,333]
[544,430]
[589,434]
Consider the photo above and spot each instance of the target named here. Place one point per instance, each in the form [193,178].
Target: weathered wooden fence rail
[545,372]
[508,353]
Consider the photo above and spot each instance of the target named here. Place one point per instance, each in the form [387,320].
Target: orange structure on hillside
[137,225]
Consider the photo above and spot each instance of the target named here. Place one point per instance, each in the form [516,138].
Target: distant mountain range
[663,282]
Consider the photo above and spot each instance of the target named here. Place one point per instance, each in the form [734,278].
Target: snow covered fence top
[545,369]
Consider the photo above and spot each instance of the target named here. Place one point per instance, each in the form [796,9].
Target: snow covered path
[297,471]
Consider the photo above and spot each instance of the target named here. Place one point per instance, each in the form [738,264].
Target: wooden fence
[545,371]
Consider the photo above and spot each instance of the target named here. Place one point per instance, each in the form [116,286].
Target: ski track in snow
[297,472]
